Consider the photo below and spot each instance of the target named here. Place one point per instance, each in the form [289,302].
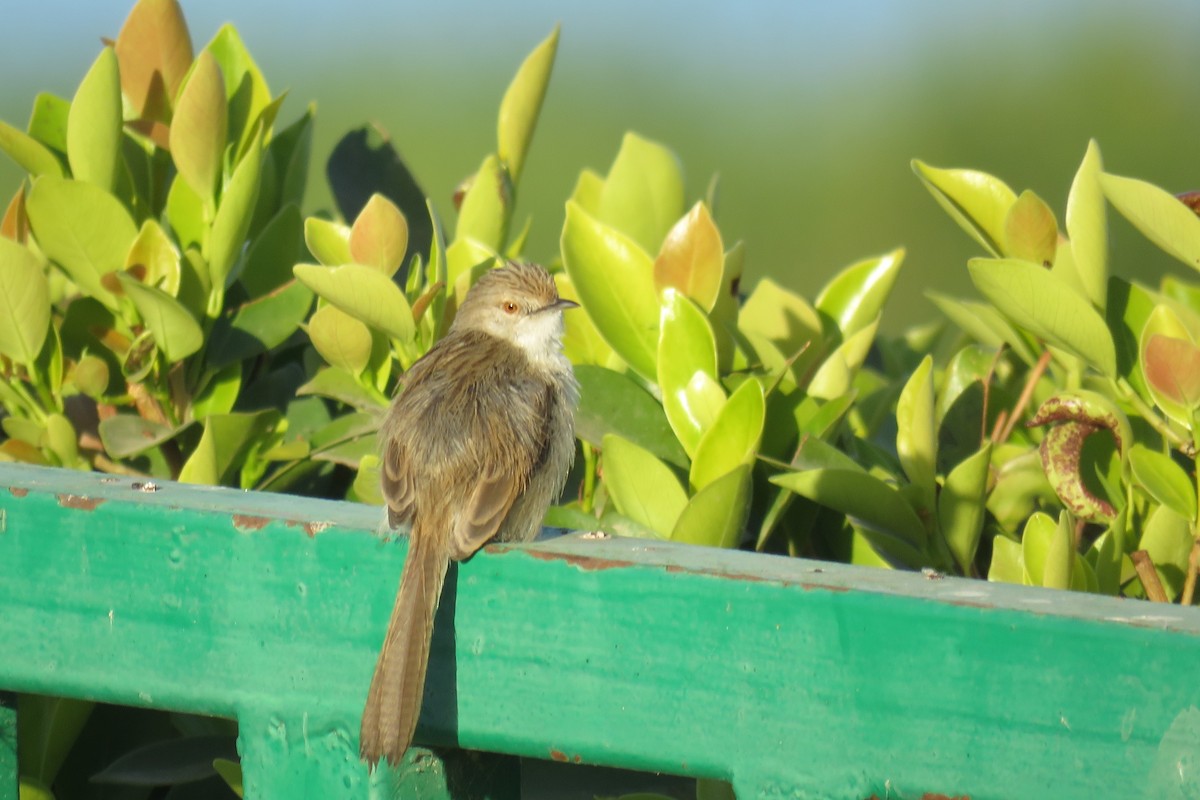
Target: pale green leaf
[522,104]
[615,281]
[687,369]
[733,438]
[94,124]
[486,207]
[643,488]
[978,202]
[1039,301]
[232,222]
[916,431]
[341,339]
[856,295]
[642,196]
[880,510]
[175,330]
[199,128]
[962,506]
[1164,480]
[1087,226]
[28,153]
[364,293]
[24,303]
[83,229]
[716,515]
[1159,215]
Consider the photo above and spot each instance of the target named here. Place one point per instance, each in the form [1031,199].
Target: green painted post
[789,678]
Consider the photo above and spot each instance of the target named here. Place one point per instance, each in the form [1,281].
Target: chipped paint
[249,522]
[18,491]
[78,501]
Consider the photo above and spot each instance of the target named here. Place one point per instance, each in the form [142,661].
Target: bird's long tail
[394,699]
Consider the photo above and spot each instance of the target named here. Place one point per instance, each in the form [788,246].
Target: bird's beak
[561,304]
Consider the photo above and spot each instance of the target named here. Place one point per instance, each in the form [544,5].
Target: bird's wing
[506,473]
[397,485]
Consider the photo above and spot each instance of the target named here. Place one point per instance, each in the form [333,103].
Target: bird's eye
[510,307]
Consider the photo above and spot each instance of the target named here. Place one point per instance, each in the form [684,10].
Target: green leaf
[642,487]
[916,431]
[978,202]
[1039,301]
[522,104]
[1030,230]
[613,403]
[692,258]
[153,251]
[28,153]
[83,229]
[338,384]
[881,511]
[175,330]
[835,376]
[364,293]
[1167,538]
[275,250]
[91,376]
[588,188]
[1047,551]
[615,281]
[1160,216]
[259,325]
[687,370]
[379,236]
[643,194]
[220,393]
[487,207]
[24,303]
[185,212]
[232,222]
[786,320]
[94,124]
[733,438]
[983,323]
[855,296]
[1087,226]
[716,515]
[48,122]
[341,339]
[1007,564]
[48,730]
[199,128]
[1129,307]
[126,435]
[329,242]
[223,445]
[1163,480]
[291,150]
[962,506]
[245,87]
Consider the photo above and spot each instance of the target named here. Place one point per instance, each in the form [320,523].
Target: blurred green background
[811,112]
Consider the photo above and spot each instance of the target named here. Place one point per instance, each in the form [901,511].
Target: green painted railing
[790,678]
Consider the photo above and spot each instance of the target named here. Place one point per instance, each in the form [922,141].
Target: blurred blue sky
[810,111]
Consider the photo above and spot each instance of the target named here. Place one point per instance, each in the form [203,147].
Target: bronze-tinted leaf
[692,258]
[1173,368]
[15,223]
[154,51]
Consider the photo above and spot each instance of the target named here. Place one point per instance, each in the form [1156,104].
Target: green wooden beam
[790,678]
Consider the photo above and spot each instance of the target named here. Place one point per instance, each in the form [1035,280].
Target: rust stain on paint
[79,501]
[17,491]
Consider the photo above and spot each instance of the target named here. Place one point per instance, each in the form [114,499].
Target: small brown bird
[474,449]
